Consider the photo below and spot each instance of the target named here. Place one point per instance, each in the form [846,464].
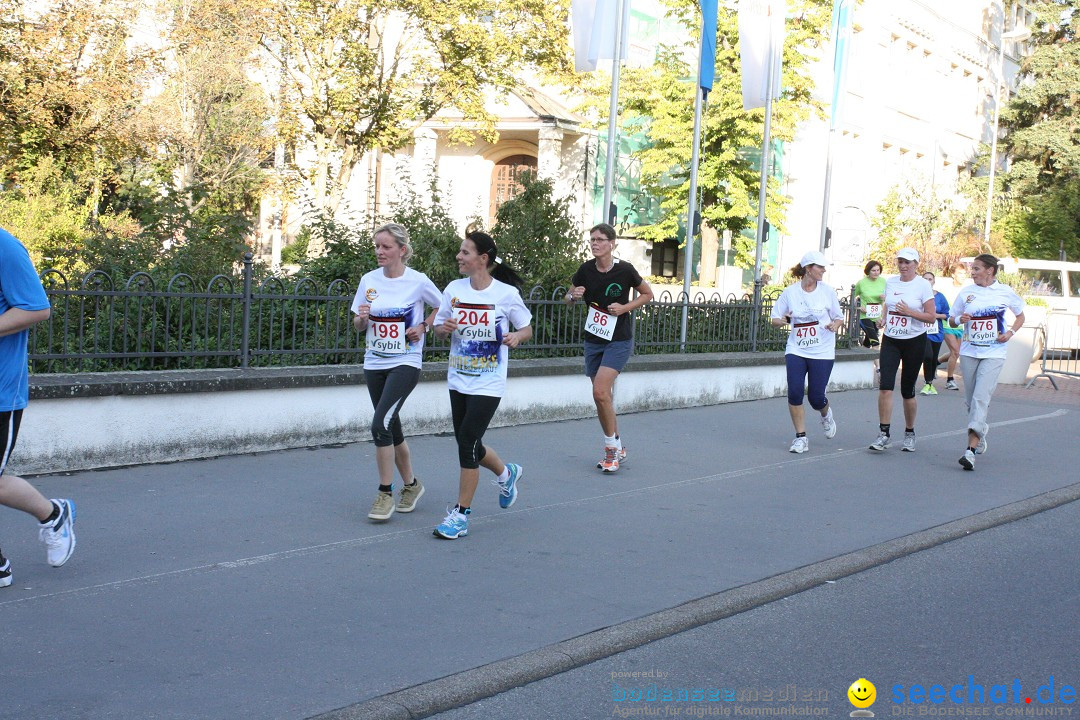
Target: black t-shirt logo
[613,290]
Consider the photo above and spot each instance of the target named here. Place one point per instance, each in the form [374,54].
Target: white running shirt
[810,313]
[914,293]
[987,306]
[477,356]
[396,304]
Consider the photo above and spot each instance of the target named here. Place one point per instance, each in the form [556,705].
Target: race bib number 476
[475,321]
[983,330]
[600,323]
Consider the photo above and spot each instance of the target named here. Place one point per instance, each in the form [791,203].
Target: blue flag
[841,26]
[707,68]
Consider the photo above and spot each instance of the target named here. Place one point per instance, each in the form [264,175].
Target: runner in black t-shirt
[604,283]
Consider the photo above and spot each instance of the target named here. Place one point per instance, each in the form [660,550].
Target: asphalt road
[254,586]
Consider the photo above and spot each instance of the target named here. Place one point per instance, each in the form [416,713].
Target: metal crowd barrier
[1061,347]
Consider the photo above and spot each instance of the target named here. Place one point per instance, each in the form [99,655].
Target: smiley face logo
[862,693]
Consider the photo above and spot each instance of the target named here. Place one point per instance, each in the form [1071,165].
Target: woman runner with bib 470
[604,283]
[476,313]
[981,307]
[389,308]
[813,311]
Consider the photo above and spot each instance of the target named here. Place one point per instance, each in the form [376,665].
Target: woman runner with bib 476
[389,306]
[980,307]
[815,315]
[476,313]
[604,283]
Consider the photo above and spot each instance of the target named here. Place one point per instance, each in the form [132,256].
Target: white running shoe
[968,460]
[882,443]
[59,535]
[981,447]
[829,425]
[800,445]
[909,442]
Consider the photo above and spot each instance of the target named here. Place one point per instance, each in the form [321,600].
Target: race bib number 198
[475,322]
[386,335]
[600,323]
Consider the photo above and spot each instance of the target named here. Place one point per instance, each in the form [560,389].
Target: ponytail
[498,268]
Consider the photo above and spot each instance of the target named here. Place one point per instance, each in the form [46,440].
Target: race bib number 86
[600,323]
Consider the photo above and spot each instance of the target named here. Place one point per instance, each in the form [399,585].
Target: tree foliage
[356,75]
[660,102]
[913,214]
[1043,123]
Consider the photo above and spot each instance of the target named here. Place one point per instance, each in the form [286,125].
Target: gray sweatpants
[980,379]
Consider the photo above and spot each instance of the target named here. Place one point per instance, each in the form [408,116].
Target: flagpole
[766,153]
[841,32]
[688,260]
[613,114]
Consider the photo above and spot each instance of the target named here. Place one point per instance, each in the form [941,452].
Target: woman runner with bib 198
[389,307]
[476,313]
[981,307]
[605,283]
[813,311]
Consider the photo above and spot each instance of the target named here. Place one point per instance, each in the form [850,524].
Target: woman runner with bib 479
[813,311]
[476,313]
[389,309]
[909,306]
[604,283]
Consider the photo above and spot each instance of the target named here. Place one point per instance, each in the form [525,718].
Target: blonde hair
[400,236]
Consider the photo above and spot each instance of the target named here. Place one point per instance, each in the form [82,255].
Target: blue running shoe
[59,536]
[455,525]
[508,489]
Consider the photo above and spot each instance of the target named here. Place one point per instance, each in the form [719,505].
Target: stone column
[423,164]
[549,156]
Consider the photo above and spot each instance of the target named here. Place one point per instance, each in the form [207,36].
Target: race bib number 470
[983,330]
[807,334]
[475,322]
[386,335]
[600,323]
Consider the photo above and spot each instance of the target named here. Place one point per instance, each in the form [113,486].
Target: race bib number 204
[475,322]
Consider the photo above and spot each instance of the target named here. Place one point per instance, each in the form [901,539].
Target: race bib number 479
[475,322]
[983,330]
[386,335]
[600,323]
[902,326]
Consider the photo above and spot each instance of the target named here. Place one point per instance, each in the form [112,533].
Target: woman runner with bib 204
[604,283]
[981,307]
[389,309]
[476,312]
[813,311]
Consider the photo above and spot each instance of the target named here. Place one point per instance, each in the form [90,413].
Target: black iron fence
[101,324]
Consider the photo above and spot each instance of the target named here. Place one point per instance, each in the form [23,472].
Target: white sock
[505,474]
[612,441]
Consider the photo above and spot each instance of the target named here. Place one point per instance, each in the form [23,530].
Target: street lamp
[1018,35]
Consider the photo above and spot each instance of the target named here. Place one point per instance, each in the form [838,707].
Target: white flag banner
[761,32]
[593,25]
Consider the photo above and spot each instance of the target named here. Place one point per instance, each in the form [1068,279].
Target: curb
[469,686]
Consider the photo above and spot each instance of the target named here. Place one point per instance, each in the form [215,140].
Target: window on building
[505,182]
[665,258]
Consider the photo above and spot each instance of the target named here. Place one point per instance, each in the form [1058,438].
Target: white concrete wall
[80,433]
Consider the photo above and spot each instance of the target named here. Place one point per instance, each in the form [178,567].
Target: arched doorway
[504,180]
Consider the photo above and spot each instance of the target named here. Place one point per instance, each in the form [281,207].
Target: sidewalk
[255,587]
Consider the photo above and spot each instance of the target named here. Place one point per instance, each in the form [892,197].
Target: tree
[356,75]
[912,214]
[660,101]
[1043,124]
[534,232]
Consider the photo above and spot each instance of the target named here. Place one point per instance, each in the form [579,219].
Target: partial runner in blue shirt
[934,336]
[23,304]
